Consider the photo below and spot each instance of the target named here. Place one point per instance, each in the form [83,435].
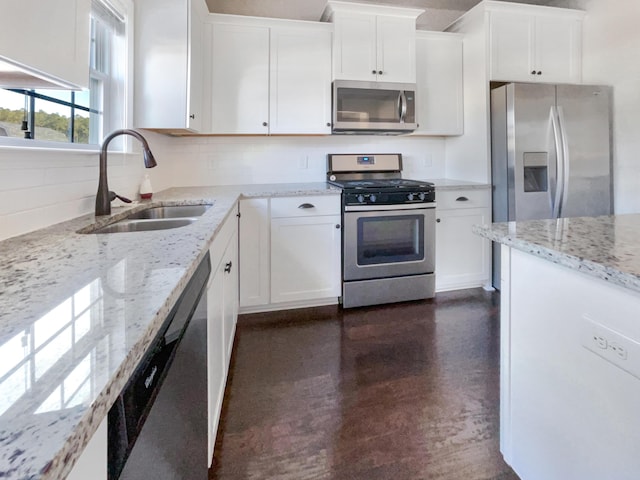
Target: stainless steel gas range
[388,235]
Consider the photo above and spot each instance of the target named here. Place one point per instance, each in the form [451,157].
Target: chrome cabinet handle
[227,267]
[462,199]
[307,205]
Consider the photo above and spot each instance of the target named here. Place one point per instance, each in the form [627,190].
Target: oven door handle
[373,208]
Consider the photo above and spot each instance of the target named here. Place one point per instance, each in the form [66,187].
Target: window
[67,116]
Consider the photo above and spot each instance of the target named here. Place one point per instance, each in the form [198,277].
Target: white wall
[611,49]
[41,187]
[193,161]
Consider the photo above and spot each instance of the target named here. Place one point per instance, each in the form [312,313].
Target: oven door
[390,241]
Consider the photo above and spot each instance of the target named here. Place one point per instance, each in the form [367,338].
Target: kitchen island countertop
[605,247]
[77,313]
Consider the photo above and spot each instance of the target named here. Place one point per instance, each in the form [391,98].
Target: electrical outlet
[619,350]
[600,341]
[611,345]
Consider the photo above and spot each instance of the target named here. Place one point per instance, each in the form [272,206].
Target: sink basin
[173,211]
[145,225]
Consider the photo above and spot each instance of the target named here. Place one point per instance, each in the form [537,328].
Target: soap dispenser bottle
[145,187]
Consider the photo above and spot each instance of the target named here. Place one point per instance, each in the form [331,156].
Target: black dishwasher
[157,427]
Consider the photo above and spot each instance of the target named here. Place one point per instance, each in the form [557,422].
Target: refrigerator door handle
[559,151]
[565,161]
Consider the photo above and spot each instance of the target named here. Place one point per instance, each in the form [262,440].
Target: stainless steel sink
[140,225]
[173,211]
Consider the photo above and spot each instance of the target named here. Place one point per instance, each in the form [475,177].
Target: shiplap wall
[194,161]
[41,187]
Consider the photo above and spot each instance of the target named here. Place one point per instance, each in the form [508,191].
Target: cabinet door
[558,49]
[216,355]
[355,51]
[439,80]
[462,258]
[300,101]
[511,46]
[254,252]
[240,79]
[230,295]
[396,49]
[49,37]
[305,258]
[195,59]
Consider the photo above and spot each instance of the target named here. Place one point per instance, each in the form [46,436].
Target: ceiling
[438,13]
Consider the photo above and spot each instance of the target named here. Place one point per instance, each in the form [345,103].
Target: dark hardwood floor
[403,391]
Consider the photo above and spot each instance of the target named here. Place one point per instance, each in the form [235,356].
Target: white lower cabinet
[222,313]
[254,252]
[462,257]
[92,463]
[305,258]
[290,252]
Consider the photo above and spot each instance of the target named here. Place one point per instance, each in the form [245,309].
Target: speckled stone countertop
[451,184]
[77,313]
[605,247]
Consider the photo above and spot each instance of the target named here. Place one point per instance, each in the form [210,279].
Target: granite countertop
[605,247]
[77,313]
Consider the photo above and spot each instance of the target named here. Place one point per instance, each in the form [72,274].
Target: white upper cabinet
[300,97]
[48,42]
[240,79]
[373,42]
[535,44]
[270,77]
[439,83]
[169,65]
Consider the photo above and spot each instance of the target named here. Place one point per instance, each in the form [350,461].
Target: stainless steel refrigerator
[551,153]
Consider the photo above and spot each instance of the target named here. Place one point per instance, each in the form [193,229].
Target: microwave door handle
[402,99]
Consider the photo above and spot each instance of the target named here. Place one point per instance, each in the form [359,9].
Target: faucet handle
[113,195]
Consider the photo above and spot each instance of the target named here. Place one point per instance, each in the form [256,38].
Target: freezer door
[531,150]
[585,117]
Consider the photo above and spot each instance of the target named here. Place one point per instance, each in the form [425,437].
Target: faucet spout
[103,197]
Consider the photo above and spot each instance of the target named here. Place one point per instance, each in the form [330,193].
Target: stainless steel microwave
[373,107]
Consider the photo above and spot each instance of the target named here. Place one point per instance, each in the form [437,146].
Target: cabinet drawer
[471,198]
[305,206]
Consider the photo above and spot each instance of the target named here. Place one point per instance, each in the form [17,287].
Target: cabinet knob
[328,124]
[192,116]
[539,72]
[379,72]
[533,72]
[373,71]
[264,124]
[227,267]
[338,226]
[437,220]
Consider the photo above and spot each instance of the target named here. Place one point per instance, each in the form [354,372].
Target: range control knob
[410,197]
[372,198]
[422,196]
[360,198]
